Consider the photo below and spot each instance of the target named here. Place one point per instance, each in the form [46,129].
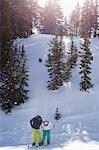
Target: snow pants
[36,135]
[46,134]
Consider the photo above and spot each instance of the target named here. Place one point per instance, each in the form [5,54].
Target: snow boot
[40,144]
[33,144]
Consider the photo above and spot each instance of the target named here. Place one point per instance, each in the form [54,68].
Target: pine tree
[14,80]
[74,21]
[8,83]
[67,72]
[5,33]
[65,27]
[59,18]
[89,17]
[85,26]
[16,75]
[7,88]
[10,62]
[77,19]
[21,18]
[48,20]
[75,56]
[56,64]
[71,61]
[52,18]
[93,17]
[22,78]
[36,12]
[85,68]
[72,54]
[96,18]
[6,72]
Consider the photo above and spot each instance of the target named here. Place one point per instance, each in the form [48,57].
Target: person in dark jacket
[35,124]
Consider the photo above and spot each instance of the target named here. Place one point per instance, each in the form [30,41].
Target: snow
[78,129]
[76,145]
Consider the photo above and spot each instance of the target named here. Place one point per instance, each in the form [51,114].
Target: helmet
[46,123]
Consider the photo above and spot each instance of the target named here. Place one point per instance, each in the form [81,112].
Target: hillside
[79,124]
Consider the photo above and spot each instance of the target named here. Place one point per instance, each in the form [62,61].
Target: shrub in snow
[40,60]
[57,114]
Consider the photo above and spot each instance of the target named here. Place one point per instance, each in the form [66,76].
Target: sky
[67,5]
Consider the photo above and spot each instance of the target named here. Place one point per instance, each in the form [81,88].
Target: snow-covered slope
[80,110]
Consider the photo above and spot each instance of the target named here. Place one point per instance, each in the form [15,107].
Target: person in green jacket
[46,126]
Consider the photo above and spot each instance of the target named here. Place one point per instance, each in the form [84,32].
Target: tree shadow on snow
[83,130]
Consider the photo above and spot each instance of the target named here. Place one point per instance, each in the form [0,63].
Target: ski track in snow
[78,129]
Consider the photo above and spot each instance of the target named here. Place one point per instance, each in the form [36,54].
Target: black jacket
[35,123]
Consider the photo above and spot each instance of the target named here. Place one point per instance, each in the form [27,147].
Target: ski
[30,147]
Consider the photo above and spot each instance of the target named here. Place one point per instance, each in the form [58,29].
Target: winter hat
[46,123]
[39,118]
